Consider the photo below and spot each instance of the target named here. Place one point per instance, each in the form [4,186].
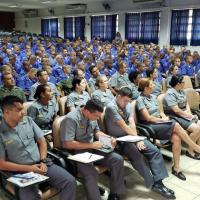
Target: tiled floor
[185,190]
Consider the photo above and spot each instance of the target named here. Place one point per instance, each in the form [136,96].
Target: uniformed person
[119,122]
[165,129]
[152,74]
[23,149]
[79,132]
[120,78]
[79,96]
[134,78]
[94,71]
[9,88]
[43,110]
[103,93]
[43,79]
[176,107]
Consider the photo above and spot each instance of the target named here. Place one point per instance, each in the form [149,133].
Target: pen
[90,156]
[22,177]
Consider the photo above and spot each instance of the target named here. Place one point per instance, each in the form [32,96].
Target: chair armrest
[70,165]
[56,159]
[151,133]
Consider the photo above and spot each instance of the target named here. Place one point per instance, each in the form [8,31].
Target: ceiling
[19,5]
[16,5]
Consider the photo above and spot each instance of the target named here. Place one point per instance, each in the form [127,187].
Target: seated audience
[80,133]
[27,152]
[79,96]
[103,93]
[43,110]
[176,107]
[165,129]
[143,155]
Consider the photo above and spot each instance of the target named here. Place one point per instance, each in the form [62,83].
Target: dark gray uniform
[118,80]
[105,97]
[155,169]
[134,89]
[77,100]
[54,91]
[43,115]
[175,98]
[76,127]
[163,130]
[92,84]
[18,145]
[157,88]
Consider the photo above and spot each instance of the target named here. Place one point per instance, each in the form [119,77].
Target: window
[68,28]
[150,23]
[104,27]
[179,27]
[195,28]
[132,27]
[142,27]
[49,27]
[74,27]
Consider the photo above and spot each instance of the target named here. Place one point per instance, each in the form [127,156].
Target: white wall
[117,6]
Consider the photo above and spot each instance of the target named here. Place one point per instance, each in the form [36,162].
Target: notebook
[85,157]
[27,179]
[131,138]
[106,141]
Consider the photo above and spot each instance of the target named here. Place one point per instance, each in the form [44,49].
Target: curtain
[68,28]
[54,27]
[45,27]
[195,40]
[132,27]
[110,27]
[97,27]
[49,27]
[179,27]
[80,27]
[150,22]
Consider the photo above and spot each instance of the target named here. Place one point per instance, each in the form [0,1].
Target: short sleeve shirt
[77,100]
[18,144]
[134,89]
[41,114]
[113,114]
[118,80]
[76,127]
[105,97]
[174,98]
[150,103]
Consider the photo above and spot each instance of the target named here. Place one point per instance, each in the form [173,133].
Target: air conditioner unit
[77,7]
[30,13]
[147,1]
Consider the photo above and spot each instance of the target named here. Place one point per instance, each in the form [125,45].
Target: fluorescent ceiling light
[13,6]
[47,1]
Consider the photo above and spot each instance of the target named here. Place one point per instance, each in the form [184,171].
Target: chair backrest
[192,98]
[56,132]
[160,102]
[27,105]
[196,81]
[188,82]
[164,85]
[133,108]
[62,105]
[101,122]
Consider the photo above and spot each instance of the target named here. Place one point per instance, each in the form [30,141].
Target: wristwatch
[43,160]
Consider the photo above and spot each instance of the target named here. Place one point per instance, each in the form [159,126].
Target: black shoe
[196,156]
[164,191]
[113,197]
[171,191]
[179,175]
